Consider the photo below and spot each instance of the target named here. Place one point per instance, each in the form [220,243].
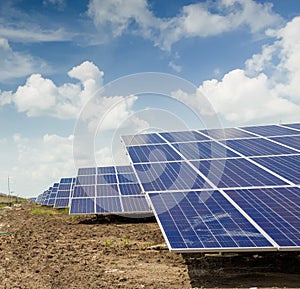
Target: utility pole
[9,192]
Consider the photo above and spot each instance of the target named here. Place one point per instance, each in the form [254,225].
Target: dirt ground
[50,249]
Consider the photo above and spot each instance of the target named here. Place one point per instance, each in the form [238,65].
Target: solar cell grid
[112,185]
[127,178]
[195,225]
[169,176]
[86,171]
[133,204]
[203,150]
[236,173]
[226,133]
[106,170]
[291,141]
[85,180]
[64,192]
[124,169]
[183,136]
[106,179]
[274,209]
[152,153]
[269,130]
[140,139]
[293,125]
[285,166]
[258,147]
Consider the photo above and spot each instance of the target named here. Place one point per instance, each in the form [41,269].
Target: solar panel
[237,173]
[226,133]
[113,190]
[153,153]
[269,130]
[169,176]
[290,141]
[293,125]
[151,138]
[203,150]
[274,209]
[259,161]
[258,147]
[52,195]
[190,224]
[183,136]
[64,193]
[285,166]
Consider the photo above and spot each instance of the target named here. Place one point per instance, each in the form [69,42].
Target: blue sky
[74,76]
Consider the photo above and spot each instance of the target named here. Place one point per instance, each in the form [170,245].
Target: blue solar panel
[107,189]
[140,139]
[130,189]
[258,147]
[203,150]
[169,176]
[52,195]
[270,130]
[226,133]
[274,210]
[85,180]
[83,191]
[124,169]
[293,125]
[236,173]
[183,136]
[64,192]
[62,202]
[135,204]
[82,206]
[291,141]
[106,170]
[152,153]
[192,222]
[106,179]
[285,166]
[108,205]
[86,171]
[127,178]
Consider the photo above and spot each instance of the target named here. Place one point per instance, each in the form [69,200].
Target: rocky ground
[46,248]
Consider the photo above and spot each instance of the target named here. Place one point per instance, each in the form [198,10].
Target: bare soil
[56,250]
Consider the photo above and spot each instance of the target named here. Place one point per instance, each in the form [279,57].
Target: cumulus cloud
[266,90]
[41,96]
[38,163]
[14,64]
[194,20]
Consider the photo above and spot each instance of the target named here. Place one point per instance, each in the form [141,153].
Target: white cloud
[267,91]
[14,64]
[41,96]
[35,34]
[38,163]
[175,66]
[194,20]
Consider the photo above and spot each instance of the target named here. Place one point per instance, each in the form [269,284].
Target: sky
[76,75]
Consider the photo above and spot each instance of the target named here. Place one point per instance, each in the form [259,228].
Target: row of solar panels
[210,190]
[99,190]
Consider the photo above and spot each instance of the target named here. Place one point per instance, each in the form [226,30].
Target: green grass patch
[40,211]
